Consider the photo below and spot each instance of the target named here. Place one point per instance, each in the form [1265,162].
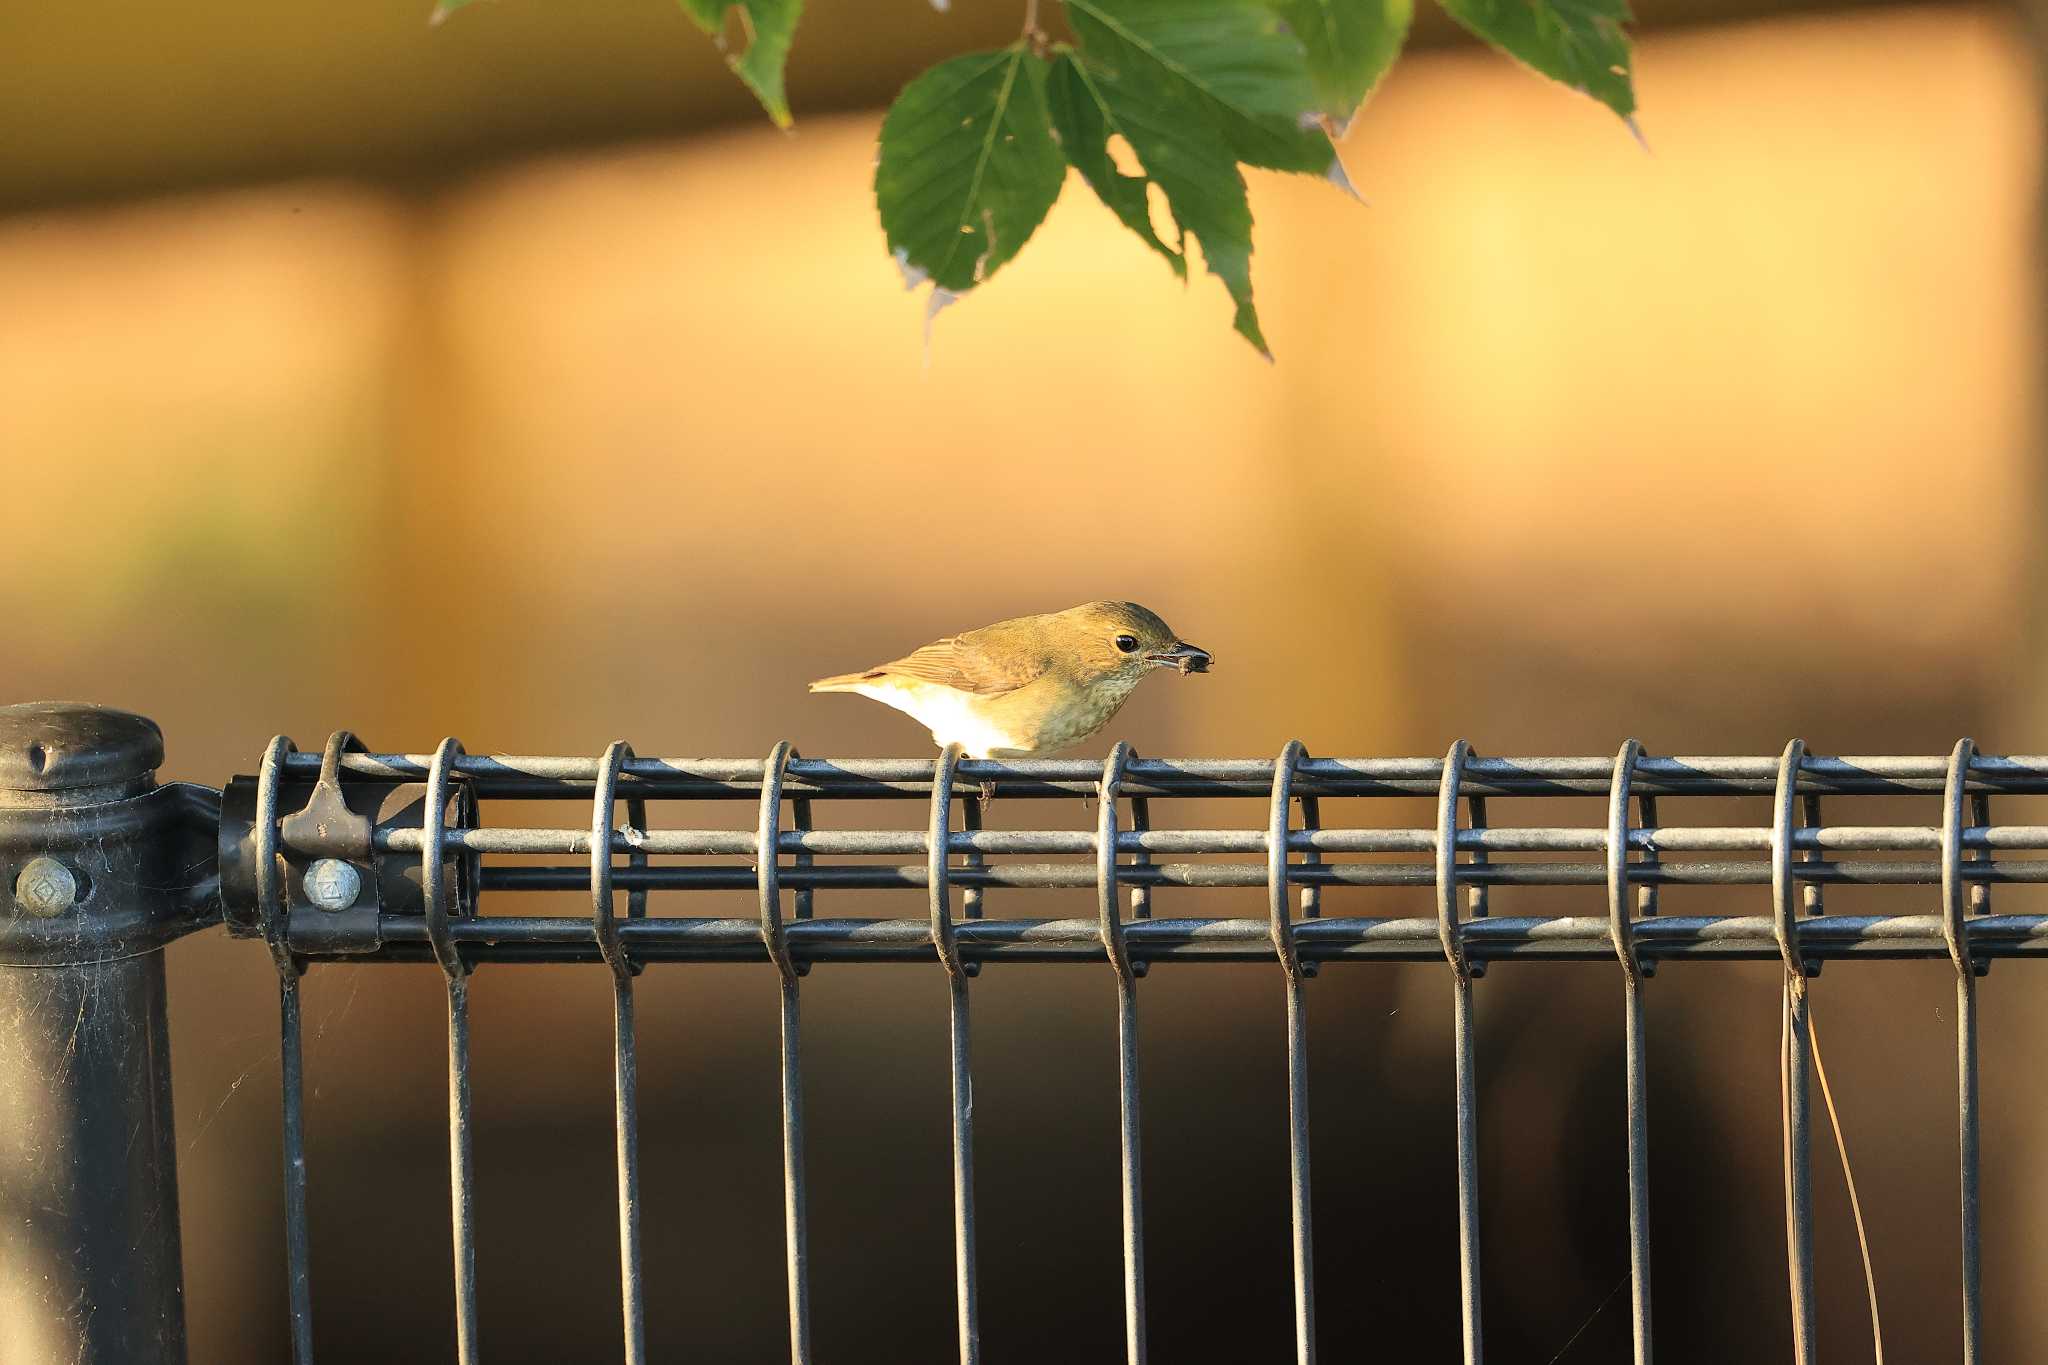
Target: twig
[1849,1178]
[1589,1320]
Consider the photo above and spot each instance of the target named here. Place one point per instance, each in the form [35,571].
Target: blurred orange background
[543,405]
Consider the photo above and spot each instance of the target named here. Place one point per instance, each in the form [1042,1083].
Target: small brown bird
[1032,685]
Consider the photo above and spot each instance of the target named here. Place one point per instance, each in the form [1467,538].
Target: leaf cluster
[1159,105]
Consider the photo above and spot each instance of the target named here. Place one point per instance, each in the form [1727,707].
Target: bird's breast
[1056,712]
[1040,717]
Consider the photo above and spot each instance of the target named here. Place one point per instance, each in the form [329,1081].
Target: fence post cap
[48,746]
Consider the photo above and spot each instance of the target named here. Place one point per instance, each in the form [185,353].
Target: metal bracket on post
[338,879]
[99,868]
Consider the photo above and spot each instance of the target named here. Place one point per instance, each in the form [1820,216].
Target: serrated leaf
[770,27]
[1350,44]
[1084,124]
[968,167]
[1195,87]
[1579,42]
[1231,64]
[1198,176]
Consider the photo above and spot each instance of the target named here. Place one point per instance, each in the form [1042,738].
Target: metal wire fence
[359,856]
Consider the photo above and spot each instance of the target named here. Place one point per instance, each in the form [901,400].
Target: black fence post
[99,868]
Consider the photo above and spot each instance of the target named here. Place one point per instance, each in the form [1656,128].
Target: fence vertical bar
[636,823]
[1980,815]
[1814,903]
[1448,934]
[298,1234]
[1811,899]
[1312,894]
[1795,1057]
[1110,922]
[1141,821]
[433,883]
[796,1236]
[1646,895]
[971,897]
[938,881]
[625,1067]
[1299,1207]
[1621,932]
[1955,932]
[1476,899]
[800,899]
[271,905]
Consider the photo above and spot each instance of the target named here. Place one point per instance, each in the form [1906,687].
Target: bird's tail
[840,682]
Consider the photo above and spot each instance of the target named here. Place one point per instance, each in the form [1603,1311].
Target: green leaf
[770,27]
[1206,193]
[1199,178]
[1196,87]
[1579,42]
[1231,64]
[1084,123]
[1350,45]
[968,167]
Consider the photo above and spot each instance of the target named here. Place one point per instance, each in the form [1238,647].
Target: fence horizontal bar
[541,777]
[697,939]
[1054,876]
[1668,839]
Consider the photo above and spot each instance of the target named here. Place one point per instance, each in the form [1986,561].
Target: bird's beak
[1183,656]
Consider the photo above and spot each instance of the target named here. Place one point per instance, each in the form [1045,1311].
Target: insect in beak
[1183,656]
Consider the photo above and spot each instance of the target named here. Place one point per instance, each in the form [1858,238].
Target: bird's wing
[968,663]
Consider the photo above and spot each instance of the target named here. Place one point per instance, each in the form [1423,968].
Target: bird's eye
[1127,643]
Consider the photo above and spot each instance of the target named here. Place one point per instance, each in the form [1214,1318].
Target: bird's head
[1121,639]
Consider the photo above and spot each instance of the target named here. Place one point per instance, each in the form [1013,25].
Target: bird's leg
[988,793]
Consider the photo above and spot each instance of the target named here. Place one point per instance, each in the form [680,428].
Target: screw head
[45,887]
[332,884]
